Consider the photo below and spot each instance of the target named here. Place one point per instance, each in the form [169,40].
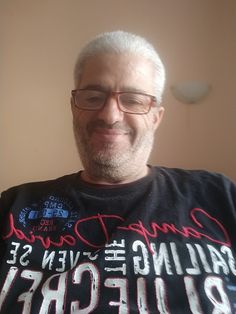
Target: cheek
[81,118]
[145,123]
[140,125]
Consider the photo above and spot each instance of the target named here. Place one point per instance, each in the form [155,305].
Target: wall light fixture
[190,92]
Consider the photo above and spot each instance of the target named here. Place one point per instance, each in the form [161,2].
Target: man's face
[112,143]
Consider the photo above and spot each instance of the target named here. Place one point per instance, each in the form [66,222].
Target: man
[119,236]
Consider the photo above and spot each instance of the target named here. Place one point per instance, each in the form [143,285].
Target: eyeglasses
[129,102]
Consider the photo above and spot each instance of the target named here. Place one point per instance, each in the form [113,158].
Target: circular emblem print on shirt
[48,214]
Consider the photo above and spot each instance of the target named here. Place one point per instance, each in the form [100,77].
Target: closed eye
[94,99]
[133,99]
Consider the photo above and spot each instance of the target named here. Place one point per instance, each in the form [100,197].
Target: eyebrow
[96,87]
[104,88]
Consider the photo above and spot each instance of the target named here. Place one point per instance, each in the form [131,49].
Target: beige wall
[39,42]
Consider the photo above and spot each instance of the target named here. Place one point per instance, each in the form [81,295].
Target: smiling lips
[110,131]
[110,134]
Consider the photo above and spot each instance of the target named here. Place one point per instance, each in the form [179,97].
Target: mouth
[110,131]
[109,134]
[99,131]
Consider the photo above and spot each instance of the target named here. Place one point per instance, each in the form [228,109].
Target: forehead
[118,72]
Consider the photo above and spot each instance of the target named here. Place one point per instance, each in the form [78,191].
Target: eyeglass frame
[115,94]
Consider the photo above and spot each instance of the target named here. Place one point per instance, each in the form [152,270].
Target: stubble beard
[110,163]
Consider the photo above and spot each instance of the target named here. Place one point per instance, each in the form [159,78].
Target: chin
[109,160]
[109,172]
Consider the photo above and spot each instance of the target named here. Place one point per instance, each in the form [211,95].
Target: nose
[110,112]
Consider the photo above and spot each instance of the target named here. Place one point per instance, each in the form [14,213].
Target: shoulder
[33,188]
[195,180]
[191,175]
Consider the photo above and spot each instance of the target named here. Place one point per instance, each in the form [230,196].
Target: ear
[72,106]
[157,116]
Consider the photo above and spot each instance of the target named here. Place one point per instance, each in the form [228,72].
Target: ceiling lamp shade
[190,92]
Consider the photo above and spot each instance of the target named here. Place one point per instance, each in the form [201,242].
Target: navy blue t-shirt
[163,244]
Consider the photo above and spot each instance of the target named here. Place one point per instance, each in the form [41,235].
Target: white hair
[120,42]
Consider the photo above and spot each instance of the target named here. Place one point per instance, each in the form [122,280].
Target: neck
[92,178]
